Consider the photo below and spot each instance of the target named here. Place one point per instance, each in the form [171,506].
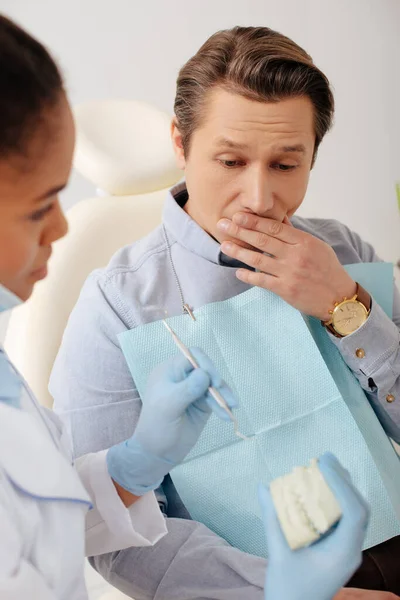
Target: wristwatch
[350,314]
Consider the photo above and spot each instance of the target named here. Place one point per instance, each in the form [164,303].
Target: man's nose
[258,193]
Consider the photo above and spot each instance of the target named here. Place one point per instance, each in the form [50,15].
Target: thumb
[275,538]
[188,391]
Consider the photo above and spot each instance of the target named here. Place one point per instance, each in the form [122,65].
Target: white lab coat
[45,508]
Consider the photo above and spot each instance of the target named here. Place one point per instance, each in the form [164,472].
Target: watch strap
[363,297]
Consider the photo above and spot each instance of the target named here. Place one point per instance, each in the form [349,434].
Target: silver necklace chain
[185,307]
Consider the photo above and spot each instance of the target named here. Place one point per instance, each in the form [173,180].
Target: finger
[206,363]
[275,229]
[262,280]
[189,391]
[217,409]
[254,259]
[256,239]
[228,395]
[275,537]
[229,398]
[355,511]
[217,382]
[177,368]
[328,461]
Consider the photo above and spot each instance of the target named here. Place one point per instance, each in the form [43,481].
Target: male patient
[251,110]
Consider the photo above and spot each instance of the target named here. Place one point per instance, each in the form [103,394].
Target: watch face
[349,316]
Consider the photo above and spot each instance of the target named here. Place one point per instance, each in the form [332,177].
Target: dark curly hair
[30,84]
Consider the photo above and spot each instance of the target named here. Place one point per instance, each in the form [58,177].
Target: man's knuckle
[273,284]
[275,228]
[296,276]
[262,241]
[303,262]
[258,260]
[235,230]
[234,251]
[308,241]
[292,290]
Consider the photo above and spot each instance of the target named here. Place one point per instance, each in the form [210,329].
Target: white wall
[126,48]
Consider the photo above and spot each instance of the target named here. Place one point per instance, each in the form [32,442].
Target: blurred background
[133,49]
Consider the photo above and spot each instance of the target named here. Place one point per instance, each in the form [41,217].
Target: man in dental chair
[251,110]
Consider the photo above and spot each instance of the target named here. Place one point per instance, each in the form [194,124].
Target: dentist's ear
[177,144]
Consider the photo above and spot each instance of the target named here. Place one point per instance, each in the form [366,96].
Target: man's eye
[40,214]
[231,164]
[283,167]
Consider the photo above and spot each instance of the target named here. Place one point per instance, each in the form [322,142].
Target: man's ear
[177,145]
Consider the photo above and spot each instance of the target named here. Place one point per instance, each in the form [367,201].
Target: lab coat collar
[33,463]
[8,300]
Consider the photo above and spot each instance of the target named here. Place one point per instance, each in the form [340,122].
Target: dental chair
[124,149]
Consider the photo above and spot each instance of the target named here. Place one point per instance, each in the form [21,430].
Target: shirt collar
[188,233]
[8,300]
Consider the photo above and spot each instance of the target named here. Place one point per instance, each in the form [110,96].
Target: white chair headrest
[124,147]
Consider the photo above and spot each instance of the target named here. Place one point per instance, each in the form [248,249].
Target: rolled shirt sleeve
[373,353]
[109,524]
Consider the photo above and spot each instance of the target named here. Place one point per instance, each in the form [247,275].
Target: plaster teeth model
[305,505]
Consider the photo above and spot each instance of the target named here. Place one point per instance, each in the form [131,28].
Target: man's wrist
[347,291]
[359,305]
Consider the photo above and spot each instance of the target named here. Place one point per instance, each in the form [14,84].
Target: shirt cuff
[368,349]
[110,525]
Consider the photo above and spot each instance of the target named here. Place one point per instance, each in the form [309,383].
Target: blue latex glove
[319,571]
[176,407]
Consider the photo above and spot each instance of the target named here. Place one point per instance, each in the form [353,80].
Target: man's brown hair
[257,63]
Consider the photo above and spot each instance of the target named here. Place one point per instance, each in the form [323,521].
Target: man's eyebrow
[227,143]
[52,192]
[299,148]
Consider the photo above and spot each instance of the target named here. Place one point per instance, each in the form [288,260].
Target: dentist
[45,503]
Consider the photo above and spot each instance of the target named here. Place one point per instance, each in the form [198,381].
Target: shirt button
[390,398]
[360,353]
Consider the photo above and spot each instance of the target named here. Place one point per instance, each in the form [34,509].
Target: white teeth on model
[305,505]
